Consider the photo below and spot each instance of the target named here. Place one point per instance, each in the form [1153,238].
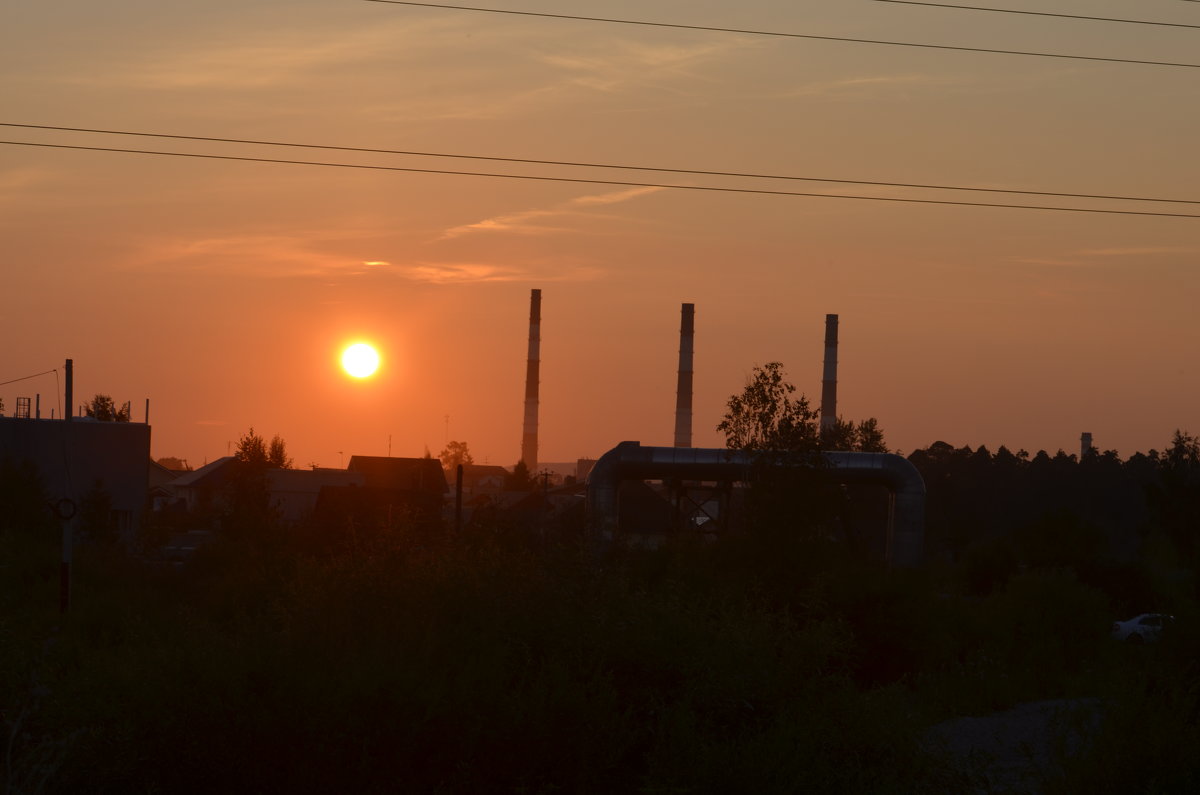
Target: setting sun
[360,360]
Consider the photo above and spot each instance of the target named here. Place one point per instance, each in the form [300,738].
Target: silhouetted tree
[869,437]
[102,407]
[864,437]
[985,506]
[1175,498]
[1184,452]
[277,456]
[790,508]
[248,509]
[251,448]
[766,417]
[520,479]
[455,453]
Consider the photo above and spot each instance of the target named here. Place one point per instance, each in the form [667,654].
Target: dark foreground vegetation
[400,658]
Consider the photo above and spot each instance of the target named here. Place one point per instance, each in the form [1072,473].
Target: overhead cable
[615,166]
[581,181]
[1040,13]
[27,377]
[781,34]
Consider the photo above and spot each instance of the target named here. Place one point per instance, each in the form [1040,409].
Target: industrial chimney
[683,392]
[529,438]
[1085,445]
[829,382]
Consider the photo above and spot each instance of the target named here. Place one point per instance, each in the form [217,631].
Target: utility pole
[458,484]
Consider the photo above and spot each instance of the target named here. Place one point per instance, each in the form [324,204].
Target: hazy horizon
[224,291]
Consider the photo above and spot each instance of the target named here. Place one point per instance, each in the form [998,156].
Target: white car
[1146,628]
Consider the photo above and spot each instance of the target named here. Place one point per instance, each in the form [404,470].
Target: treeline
[998,512]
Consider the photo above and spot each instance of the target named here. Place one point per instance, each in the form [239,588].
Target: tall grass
[414,662]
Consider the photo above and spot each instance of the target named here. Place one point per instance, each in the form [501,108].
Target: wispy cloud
[633,76]
[268,60]
[614,65]
[1103,257]
[1057,262]
[450,273]
[1139,251]
[616,197]
[521,223]
[263,255]
[512,72]
[17,183]
[868,85]
[532,222]
[460,272]
[324,257]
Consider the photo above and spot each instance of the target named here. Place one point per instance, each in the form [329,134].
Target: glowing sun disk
[360,360]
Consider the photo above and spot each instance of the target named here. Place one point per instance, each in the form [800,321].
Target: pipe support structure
[632,461]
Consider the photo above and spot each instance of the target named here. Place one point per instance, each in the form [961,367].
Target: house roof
[406,474]
[484,470]
[310,481]
[212,473]
[159,475]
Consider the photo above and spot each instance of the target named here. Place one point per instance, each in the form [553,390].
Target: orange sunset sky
[224,291]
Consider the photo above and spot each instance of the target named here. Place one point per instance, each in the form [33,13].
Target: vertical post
[683,390]
[64,587]
[147,411]
[458,478]
[64,509]
[64,569]
[545,504]
[529,438]
[829,380]
[37,411]
[69,397]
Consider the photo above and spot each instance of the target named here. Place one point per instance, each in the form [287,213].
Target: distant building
[295,492]
[481,479]
[391,490]
[413,475]
[292,493]
[201,488]
[158,484]
[73,456]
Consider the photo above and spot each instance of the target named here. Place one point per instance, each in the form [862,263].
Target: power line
[581,181]
[624,167]
[810,36]
[36,375]
[1041,14]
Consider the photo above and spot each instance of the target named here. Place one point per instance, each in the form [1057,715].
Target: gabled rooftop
[405,474]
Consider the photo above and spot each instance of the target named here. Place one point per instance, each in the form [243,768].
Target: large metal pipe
[632,461]
[829,379]
[529,436]
[683,391]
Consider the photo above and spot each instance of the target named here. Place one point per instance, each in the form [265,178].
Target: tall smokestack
[683,392]
[529,438]
[1085,445]
[829,381]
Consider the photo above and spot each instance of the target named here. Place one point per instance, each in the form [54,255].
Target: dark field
[413,662]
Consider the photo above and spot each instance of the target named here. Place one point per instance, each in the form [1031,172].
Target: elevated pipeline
[632,461]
